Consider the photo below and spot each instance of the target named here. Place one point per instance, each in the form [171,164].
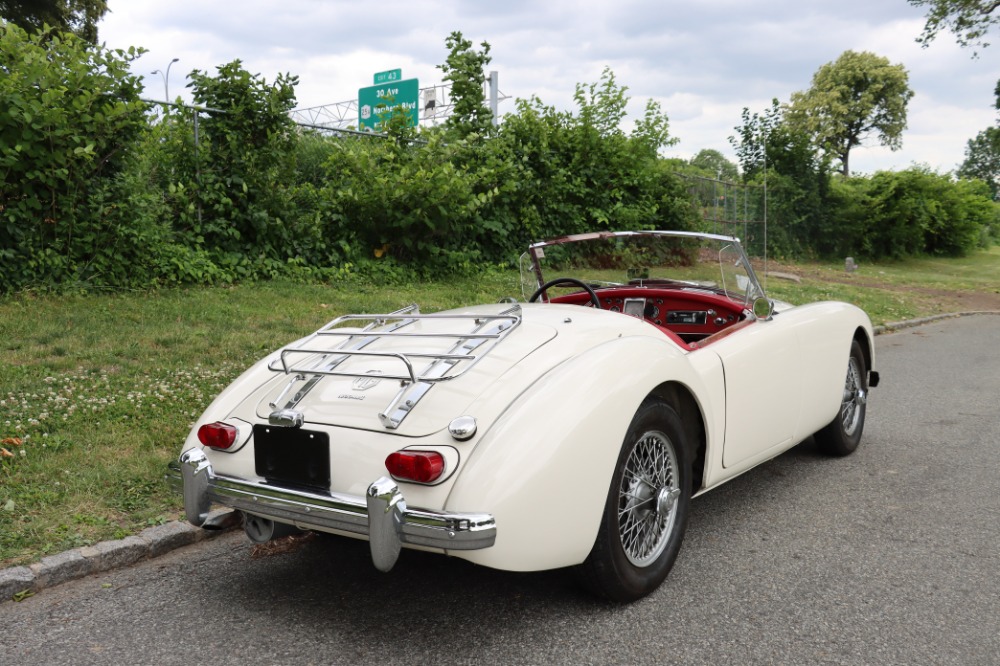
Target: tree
[716,164]
[774,152]
[982,156]
[982,160]
[968,20]
[851,99]
[753,134]
[77,16]
[246,145]
[464,67]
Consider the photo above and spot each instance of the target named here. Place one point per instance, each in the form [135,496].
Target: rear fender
[544,467]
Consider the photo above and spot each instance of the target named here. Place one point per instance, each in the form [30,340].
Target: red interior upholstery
[667,300]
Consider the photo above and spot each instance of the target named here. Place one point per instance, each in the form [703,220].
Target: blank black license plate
[292,456]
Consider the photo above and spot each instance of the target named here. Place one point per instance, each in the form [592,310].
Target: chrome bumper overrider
[382,515]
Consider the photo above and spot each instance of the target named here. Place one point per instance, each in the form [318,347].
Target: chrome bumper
[382,515]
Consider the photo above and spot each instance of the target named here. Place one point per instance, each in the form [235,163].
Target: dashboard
[691,314]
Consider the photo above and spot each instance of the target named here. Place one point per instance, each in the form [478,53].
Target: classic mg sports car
[570,430]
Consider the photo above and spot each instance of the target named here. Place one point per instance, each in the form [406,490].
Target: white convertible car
[571,430]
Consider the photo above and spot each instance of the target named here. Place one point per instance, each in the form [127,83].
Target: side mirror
[763,308]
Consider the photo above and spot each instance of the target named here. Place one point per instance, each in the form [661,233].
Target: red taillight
[217,435]
[419,466]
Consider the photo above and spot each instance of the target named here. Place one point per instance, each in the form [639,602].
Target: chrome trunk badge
[365,383]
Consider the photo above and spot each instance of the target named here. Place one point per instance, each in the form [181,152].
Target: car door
[762,365]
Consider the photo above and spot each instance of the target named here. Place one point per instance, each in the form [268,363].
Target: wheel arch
[681,398]
[867,349]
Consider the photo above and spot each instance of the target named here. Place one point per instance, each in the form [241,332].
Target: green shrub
[70,120]
[917,211]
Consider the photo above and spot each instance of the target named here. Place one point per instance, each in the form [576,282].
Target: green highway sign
[377,103]
[388,77]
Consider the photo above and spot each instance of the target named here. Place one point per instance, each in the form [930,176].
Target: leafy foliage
[750,141]
[77,16]
[714,164]
[464,68]
[857,96]
[969,20]
[569,173]
[96,192]
[403,200]
[70,120]
[774,152]
[982,156]
[917,211]
[982,160]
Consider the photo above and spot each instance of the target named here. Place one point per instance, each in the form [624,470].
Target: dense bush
[98,191]
[917,211]
[70,121]
[569,173]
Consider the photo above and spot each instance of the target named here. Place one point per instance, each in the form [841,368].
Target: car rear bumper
[381,515]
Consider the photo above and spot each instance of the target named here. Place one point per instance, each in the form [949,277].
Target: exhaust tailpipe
[262,530]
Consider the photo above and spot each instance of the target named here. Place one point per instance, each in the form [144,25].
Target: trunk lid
[408,374]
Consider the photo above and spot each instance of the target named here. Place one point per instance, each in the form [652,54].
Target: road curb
[891,326]
[23,581]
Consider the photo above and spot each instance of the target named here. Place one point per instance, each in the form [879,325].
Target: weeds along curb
[17,583]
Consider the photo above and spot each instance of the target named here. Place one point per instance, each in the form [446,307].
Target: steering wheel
[567,280]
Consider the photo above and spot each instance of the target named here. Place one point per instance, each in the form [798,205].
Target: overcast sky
[702,61]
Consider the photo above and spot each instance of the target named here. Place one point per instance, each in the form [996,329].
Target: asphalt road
[889,556]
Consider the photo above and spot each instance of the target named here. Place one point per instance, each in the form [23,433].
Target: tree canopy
[715,163]
[77,16]
[858,96]
[464,69]
[982,156]
[968,20]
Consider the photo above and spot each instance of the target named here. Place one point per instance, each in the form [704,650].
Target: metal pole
[494,97]
[197,165]
[166,81]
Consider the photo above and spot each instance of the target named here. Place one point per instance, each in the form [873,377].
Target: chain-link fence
[732,209]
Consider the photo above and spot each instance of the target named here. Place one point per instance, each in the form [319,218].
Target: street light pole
[166,79]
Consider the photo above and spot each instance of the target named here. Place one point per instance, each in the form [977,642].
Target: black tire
[843,434]
[646,511]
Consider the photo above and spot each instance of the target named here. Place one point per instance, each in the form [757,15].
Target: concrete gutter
[22,581]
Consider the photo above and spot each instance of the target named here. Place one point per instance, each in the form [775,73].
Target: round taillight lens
[418,466]
[217,435]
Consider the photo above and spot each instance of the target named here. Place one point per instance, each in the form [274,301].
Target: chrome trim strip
[410,394]
[194,477]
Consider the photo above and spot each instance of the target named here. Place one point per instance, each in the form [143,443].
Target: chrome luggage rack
[309,365]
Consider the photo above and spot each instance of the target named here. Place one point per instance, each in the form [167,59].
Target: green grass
[97,392]
[895,291]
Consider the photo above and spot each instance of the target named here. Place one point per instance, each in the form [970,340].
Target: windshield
[649,258]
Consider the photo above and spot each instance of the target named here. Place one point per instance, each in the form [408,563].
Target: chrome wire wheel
[647,498]
[853,403]
[842,435]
